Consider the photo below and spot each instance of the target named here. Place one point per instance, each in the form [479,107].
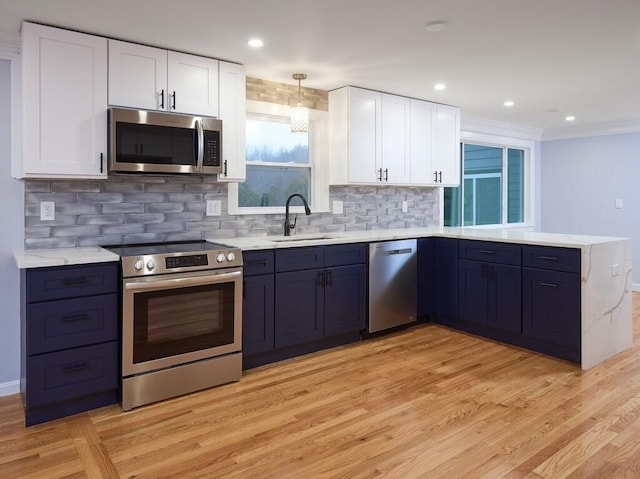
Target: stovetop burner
[161,258]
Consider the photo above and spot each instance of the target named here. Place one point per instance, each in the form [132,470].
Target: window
[493,189]
[279,163]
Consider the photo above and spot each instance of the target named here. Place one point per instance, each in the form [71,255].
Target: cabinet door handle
[548,285]
[74,318]
[74,368]
[257,262]
[435,176]
[491,272]
[162,99]
[101,163]
[321,279]
[329,278]
[549,258]
[380,174]
[173,105]
[225,168]
[386,174]
[487,251]
[75,281]
[440,177]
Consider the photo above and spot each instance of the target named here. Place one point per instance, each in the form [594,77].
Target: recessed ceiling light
[509,103]
[436,26]
[439,86]
[255,43]
[570,118]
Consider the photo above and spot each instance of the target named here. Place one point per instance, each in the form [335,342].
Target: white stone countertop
[42,258]
[504,235]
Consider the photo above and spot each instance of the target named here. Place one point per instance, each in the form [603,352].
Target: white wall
[580,181]
[11,240]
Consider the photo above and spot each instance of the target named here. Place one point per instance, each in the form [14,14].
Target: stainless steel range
[181,319]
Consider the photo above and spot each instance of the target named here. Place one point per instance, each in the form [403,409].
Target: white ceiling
[552,57]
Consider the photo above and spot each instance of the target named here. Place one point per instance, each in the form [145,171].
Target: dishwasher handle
[399,251]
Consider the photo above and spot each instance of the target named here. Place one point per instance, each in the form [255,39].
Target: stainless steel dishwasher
[393,276]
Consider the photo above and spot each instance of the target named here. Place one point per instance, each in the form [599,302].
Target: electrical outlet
[615,270]
[214,208]
[338,207]
[47,210]
[405,206]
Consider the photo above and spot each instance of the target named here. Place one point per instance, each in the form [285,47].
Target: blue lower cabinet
[438,278]
[316,298]
[551,307]
[258,314]
[299,307]
[70,318]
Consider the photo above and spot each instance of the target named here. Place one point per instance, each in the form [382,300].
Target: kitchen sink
[300,238]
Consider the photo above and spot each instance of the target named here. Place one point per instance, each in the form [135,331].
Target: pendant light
[299,114]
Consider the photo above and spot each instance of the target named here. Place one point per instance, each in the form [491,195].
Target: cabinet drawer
[552,257]
[293,259]
[69,323]
[71,281]
[74,373]
[503,253]
[258,262]
[342,255]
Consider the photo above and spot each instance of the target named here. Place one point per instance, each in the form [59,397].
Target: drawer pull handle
[548,285]
[75,281]
[487,251]
[257,262]
[550,258]
[74,368]
[75,318]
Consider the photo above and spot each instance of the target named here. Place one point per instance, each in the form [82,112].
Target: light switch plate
[619,203]
[214,208]
[405,206]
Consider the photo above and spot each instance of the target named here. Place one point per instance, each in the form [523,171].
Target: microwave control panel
[211,148]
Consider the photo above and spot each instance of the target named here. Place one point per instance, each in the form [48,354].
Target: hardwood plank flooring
[428,402]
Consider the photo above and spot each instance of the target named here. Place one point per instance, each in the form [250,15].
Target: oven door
[179,318]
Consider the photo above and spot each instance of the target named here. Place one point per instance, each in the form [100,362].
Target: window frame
[318,161]
[505,143]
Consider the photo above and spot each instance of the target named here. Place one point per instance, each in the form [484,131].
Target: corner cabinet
[64,83]
[379,138]
[70,320]
[155,79]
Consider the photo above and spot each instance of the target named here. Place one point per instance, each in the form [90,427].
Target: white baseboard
[9,388]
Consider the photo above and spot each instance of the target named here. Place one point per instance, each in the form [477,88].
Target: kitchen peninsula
[605,272]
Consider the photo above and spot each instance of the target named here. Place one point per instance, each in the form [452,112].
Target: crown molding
[497,128]
[596,129]
[9,43]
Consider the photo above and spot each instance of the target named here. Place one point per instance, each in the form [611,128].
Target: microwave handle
[200,162]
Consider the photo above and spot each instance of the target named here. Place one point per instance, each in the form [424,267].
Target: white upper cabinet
[378,138]
[233,116]
[446,156]
[64,131]
[396,140]
[423,119]
[156,79]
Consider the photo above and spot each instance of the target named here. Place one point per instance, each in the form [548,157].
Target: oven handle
[184,281]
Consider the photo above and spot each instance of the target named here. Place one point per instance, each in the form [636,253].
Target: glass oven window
[182,320]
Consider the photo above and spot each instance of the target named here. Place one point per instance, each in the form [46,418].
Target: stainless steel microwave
[156,142]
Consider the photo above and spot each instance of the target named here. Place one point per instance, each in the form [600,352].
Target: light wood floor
[424,403]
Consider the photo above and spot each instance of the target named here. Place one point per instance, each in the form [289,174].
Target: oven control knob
[138,265]
[231,256]
[151,264]
[220,258]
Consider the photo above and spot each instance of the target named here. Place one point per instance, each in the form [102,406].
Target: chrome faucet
[287,224]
